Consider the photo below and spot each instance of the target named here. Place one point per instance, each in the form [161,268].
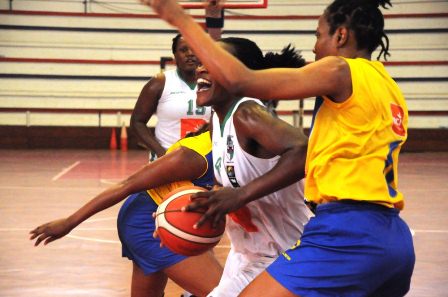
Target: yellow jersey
[201,144]
[353,147]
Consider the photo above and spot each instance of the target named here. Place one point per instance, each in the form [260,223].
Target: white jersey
[262,229]
[177,113]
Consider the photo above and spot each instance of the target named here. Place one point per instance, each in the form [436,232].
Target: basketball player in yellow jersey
[357,245]
[188,161]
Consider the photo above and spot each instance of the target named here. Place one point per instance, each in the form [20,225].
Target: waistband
[350,205]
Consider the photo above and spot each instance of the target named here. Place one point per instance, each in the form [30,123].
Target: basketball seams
[163,223]
[170,226]
[186,239]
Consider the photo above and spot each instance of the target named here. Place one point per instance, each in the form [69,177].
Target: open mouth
[203,84]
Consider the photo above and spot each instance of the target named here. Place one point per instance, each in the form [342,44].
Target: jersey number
[200,110]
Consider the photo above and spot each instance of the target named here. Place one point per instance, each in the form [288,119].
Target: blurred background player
[171,95]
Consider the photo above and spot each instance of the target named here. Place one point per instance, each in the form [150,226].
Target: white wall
[139,44]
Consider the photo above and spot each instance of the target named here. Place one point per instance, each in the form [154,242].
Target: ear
[342,35]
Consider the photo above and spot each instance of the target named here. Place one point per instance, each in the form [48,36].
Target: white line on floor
[109,181]
[65,170]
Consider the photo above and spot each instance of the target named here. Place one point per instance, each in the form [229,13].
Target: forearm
[214,33]
[104,200]
[210,53]
[145,135]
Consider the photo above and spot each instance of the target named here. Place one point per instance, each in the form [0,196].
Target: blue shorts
[349,249]
[135,228]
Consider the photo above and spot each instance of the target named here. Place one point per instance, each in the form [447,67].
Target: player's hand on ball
[218,204]
[50,231]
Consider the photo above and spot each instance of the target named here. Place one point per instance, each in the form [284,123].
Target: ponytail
[289,58]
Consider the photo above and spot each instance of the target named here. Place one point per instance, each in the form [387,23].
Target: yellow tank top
[353,148]
[201,144]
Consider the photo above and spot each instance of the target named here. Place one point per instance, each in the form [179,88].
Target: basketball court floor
[37,186]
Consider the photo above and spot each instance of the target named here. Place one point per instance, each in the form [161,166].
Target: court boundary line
[65,171]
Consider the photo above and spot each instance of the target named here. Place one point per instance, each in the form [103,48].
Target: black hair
[175,42]
[251,55]
[365,19]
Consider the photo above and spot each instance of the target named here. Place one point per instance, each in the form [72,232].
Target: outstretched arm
[181,164]
[214,18]
[329,76]
[263,136]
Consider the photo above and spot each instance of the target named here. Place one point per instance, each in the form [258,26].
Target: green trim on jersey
[190,85]
[228,115]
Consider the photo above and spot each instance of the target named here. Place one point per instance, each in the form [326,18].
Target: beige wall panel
[69,103]
[136,70]
[72,87]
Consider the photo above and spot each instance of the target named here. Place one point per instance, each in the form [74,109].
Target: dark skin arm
[179,165]
[329,76]
[213,9]
[262,136]
[145,107]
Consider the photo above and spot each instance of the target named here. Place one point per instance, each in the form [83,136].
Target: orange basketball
[175,228]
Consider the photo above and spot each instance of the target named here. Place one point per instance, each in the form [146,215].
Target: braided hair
[364,18]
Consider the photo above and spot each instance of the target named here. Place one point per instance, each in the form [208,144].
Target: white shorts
[239,271]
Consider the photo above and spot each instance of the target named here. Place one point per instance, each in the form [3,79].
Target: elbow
[135,123]
[300,152]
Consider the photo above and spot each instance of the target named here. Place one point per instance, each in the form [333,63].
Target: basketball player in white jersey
[171,96]
[254,154]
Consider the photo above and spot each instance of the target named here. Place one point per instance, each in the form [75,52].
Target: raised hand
[50,231]
[213,8]
[218,204]
[169,10]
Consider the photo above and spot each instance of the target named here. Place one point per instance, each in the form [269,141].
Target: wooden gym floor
[41,185]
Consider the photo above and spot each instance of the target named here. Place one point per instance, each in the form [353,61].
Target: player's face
[210,92]
[185,59]
[324,45]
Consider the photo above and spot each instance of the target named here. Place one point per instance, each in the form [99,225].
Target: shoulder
[158,79]
[251,116]
[250,109]
[154,87]
[333,64]
[336,77]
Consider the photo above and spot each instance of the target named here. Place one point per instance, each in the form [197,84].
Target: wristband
[215,22]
